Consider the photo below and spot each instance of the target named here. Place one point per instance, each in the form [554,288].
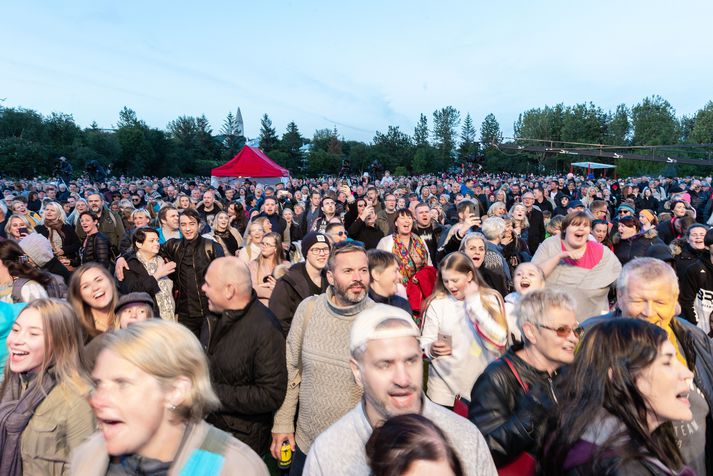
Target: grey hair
[646,270]
[493,228]
[535,306]
[473,235]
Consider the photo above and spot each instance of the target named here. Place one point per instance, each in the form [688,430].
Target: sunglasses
[563,331]
[624,212]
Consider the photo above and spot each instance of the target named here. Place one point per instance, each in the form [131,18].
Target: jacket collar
[236,314]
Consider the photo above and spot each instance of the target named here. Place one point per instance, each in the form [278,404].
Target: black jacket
[634,247]
[369,235]
[511,421]
[70,241]
[246,356]
[191,266]
[97,250]
[536,231]
[396,301]
[290,290]
[137,279]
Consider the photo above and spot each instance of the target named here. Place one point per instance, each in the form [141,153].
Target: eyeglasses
[319,251]
[271,245]
[340,233]
[563,331]
[624,212]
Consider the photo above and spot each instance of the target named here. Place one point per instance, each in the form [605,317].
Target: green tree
[490,131]
[541,124]
[702,132]
[233,138]
[468,148]
[136,153]
[268,136]
[618,126]
[654,122]
[445,125]
[291,143]
[585,123]
[392,149]
[420,133]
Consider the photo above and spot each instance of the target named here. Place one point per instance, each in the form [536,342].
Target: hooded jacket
[635,246]
[290,290]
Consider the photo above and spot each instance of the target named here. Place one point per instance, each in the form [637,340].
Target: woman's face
[134,312]
[556,350]
[266,226]
[51,213]
[268,246]
[26,342]
[475,249]
[507,232]
[401,203]
[141,220]
[665,385]
[388,279]
[518,212]
[647,193]
[256,233]
[456,282]
[527,278]
[626,231]
[131,406]
[680,209]
[80,207]
[404,224]
[696,238]
[231,210]
[221,221]
[15,225]
[576,235]
[88,224]
[184,202]
[288,215]
[644,220]
[599,232]
[150,246]
[499,211]
[96,289]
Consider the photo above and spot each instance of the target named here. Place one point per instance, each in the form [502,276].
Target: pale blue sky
[361,66]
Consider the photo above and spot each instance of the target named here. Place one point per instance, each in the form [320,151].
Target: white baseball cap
[365,326]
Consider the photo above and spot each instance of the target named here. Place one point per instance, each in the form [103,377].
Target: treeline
[30,142]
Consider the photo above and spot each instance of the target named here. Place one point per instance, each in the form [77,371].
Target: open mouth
[17,355]
[98,295]
[683,397]
[524,284]
[402,399]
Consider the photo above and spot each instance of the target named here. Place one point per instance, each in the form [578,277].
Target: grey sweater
[318,372]
[340,449]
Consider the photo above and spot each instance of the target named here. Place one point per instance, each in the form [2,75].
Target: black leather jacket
[191,266]
[511,420]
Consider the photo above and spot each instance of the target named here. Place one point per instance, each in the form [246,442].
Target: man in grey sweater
[386,363]
[318,375]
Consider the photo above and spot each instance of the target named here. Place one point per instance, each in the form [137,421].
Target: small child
[527,277]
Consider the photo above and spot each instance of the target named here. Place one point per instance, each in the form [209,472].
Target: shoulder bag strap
[524,386]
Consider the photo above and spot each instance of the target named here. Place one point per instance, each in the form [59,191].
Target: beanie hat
[311,239]
[647,213]
[38,248]
[627,207]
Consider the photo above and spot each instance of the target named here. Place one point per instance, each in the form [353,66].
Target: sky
[357,66]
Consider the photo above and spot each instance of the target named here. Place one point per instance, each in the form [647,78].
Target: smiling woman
[93,295]
[44,413]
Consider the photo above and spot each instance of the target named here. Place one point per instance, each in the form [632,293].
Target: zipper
[552,390]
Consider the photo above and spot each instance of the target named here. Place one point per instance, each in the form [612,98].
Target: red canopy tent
[250,163]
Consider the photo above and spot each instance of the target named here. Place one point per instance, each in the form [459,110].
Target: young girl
[464,329]
[261,269]
[93,295]
[527,277]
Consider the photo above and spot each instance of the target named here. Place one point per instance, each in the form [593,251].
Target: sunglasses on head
[563,331]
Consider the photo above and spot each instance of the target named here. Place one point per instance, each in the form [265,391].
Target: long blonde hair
[460,262]
[63,345]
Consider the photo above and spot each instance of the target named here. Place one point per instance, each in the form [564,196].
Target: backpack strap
[17,285]
[209,458]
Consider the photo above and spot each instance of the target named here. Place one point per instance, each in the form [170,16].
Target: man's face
[52,193]
[350,277]
[338,234]
[423,216]
[600,213]
[189,227]
[215,289]
[391,374]
[269,206]
[19,207]
[208,199]
[172,219]
[95,203]
[653,301]
[328,206]
[390,202]
[315,199]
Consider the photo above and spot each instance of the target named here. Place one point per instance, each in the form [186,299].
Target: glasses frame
[563,331]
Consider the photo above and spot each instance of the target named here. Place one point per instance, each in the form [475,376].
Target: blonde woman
[262,268]
[64,240]
[251,251]
[464,329]
[497,209]
[43,418]
[93,295]
[155,424]
[224,234]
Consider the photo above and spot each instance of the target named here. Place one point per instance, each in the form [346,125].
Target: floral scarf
[406,254]
[164,298]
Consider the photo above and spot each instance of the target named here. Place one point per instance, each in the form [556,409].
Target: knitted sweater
[318,372]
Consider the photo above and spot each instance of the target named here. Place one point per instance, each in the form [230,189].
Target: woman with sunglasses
[513,397]
[261,269]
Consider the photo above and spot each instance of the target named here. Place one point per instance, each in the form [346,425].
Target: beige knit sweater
[319,376]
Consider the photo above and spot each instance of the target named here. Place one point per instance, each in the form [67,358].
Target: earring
[172,407]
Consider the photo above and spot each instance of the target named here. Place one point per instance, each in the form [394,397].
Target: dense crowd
[455,325]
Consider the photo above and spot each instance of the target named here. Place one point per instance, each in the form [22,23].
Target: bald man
[246,354]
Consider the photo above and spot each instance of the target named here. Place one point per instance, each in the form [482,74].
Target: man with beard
[319,341]
[110,223]
[386,363]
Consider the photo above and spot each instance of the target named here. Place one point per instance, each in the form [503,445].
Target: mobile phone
[445,338]
[24,231]
[265,279]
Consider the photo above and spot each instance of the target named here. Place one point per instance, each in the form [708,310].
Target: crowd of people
[451,325]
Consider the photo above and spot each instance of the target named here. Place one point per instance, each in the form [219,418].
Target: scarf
[16,410]
[164,298]
[405,254]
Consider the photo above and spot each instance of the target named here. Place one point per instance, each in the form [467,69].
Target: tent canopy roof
[250,162]
[593,165]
